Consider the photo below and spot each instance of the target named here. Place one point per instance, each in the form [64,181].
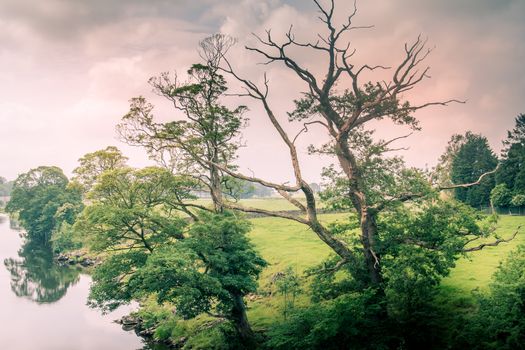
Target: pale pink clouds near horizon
[70,67]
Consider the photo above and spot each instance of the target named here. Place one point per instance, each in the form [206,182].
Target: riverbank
[44,304]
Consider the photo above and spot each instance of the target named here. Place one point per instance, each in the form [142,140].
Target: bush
[499,323]
[501,196]
[518,200]
[63,239]
[350,321]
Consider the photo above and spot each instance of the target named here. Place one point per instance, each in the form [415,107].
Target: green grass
[475,271]
[285,243]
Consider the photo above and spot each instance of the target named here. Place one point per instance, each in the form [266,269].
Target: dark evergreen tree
[512,170]
[473,159]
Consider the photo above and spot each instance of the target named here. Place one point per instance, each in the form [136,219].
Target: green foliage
[92,165]
[206,271]
[289,285]
[152,314]
[387,180]
[64,239]
[441,174]
[512,169]
[419,247]
[5,187]
[518,201]
[474,158]
[350,321]
[202,332]
[209,135]
[501,196]
[499,322]
[199,333]
[345,103]
[133,209]
[43,199]
[110,287]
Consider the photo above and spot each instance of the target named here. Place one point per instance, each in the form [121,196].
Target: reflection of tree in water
[37,277]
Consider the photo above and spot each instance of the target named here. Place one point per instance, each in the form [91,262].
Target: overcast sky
[69,67]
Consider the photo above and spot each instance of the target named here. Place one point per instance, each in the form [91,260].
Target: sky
[69,68]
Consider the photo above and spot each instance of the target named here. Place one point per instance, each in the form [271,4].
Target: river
[43,305]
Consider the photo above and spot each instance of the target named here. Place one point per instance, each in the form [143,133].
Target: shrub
[518,200]
[500,196]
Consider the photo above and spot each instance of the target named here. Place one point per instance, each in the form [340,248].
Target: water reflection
[35,276]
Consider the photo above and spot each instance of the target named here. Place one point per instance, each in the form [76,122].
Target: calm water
[43,305]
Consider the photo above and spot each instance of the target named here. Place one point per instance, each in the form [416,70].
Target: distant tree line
[469,156]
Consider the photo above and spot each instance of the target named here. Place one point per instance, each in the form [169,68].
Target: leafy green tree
[518,201]
[204,143]
[289,286]
[209,271]
[473,159]
[499,323]
[131,209]
[133,216]
[512,169]
[37,197]
[92,165]
[501,196]
[223,268]
[208,135]
[441,174]
[346,322]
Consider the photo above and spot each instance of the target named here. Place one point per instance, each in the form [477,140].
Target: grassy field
[474,272]
[284,243]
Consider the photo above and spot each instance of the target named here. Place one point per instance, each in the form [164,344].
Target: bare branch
[441,188]
[292,200]
[334,268]
[386,143]
[305,128]
[278,214]
[492,244]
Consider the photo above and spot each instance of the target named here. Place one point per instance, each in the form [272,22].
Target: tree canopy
[92,165]
[511,172]
[38,196]
[473,159]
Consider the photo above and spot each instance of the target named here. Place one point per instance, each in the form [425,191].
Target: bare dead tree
[342,115]
[362,103]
